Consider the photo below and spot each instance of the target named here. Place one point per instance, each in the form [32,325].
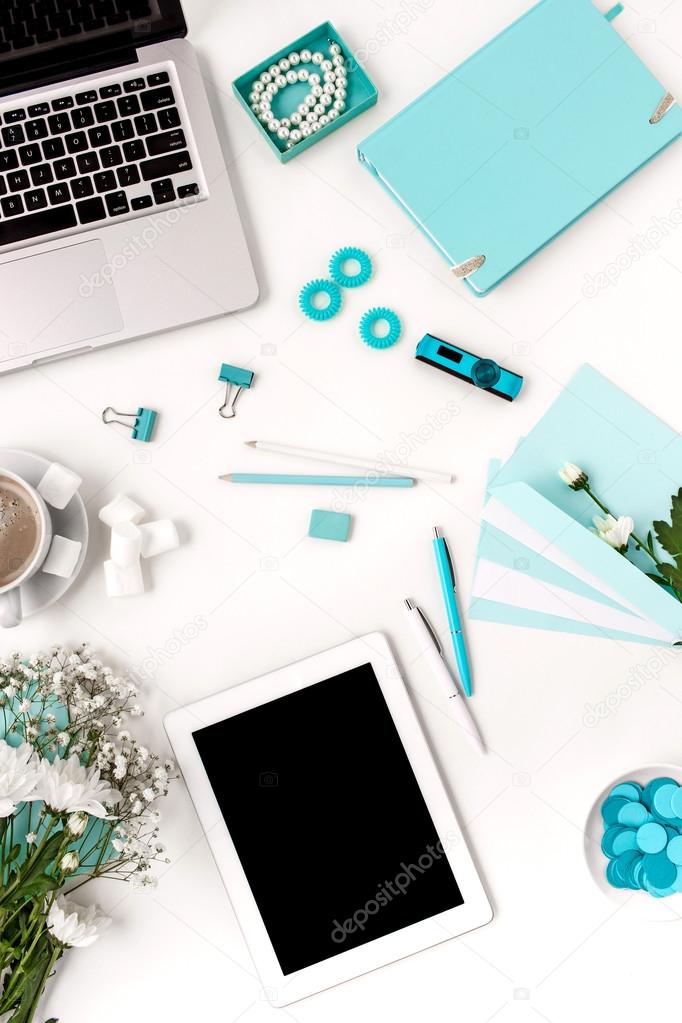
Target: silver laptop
[117,219]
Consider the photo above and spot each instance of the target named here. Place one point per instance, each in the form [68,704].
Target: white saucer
[43,590]
[641,904]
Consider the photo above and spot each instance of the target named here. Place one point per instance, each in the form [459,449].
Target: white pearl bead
[294,59]
[311,118]
[254,97]
[326,100]
[314,78]
[306,56]
[324,120]
[316,126]
[284,64]
[340,93]
[303,74]
[285,122]
[305,130]
[316,91]
[280,81]
[295,135]
[318,57]
[318,109]
[334,48]
[265,77]
[264,116]
[292,77]
[272,89]
[329,78]
[256,108]
[338,61]
[273,125]
[290,144]
[328,89]
[309,100]
[332,114]
[258,86]
[340,72]
[302,108]
[295,117]
[339,105]
[326,65]
[265,102]
[282,133]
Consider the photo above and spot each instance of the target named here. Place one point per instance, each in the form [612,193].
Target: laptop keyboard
[116,150]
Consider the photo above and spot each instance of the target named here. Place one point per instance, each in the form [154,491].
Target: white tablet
[327,818]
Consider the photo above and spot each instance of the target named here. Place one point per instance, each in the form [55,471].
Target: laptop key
[145,124]
[163,166]
[169,118]
[53,149]
[82,117]
[62,103]
[20,229]
[99,136]
[65,169]
[159,78]
[3,186]
[76,142]
[36,130]
[128,176]
[107,91]
[166,142]
[11,116]
[91,210]
[132,151]
[12,206]
[9,160]
[105,181]
[142,202]
[59,123]
[185,191]
[122,131]
[86,97]
[18,181]
[128,106]
[30,154]
[117,204]
[13,135]
[39,110]
[134,85]
[35,200]
[111,156]
[42,175]
[87,163]
[105,111]
[58,194]
[81,188]
[155,98]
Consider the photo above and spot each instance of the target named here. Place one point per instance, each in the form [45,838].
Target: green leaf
[37,970]
[669,534]
[33,878]
[673,575]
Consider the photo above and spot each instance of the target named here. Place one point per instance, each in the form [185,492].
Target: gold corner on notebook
[662,108]
[468,267]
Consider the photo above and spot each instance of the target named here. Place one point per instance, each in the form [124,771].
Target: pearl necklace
[324,103]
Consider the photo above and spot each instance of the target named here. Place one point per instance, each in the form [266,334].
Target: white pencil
[379,466]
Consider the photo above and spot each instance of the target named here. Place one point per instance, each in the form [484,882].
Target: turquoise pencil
[320,481]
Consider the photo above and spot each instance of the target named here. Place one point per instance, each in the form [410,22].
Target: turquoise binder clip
[143,425]
[237,380]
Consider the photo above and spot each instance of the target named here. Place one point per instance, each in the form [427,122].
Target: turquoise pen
[320,481]
[446,574]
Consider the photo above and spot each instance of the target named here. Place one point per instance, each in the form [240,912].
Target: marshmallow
[58,485]
[121,509]
[63,557]
[158,537]
[126,544]
[123,580]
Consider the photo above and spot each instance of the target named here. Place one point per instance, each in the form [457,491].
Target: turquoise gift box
[361,92]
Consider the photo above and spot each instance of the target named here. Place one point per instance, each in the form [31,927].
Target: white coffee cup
[10,594]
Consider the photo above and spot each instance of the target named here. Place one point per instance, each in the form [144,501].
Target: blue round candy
[652,787]
[658,871]
[633,815]
[608,839]
[674,850]
[611,808]
[676,803]
[662,801]
[628,789]
[626,841]
[652,838]
[612,875]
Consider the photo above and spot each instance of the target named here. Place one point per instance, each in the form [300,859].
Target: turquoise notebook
[523,138]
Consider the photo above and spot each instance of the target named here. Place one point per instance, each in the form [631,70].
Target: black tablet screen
[327,818]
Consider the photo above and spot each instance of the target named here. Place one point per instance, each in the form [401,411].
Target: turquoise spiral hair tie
[317,287]
[373,316]
[345,280]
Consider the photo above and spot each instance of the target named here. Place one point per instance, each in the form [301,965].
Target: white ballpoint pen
[431,650]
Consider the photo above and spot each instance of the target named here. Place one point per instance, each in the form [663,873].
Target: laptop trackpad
[57,298]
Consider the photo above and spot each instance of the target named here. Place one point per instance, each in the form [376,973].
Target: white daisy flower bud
[573,476]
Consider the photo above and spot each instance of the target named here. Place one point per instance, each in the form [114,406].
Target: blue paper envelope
[522,138]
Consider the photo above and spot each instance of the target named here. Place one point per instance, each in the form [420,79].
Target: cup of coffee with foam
[25,538]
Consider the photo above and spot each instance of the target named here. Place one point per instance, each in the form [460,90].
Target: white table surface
[263,594]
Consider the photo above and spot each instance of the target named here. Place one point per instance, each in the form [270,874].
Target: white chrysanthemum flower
[77,823]
[19,773]
[73,925]
[616,532]
[573,476]
[66,786]
[69,862]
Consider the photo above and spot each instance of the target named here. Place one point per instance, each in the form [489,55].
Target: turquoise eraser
[329,525]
